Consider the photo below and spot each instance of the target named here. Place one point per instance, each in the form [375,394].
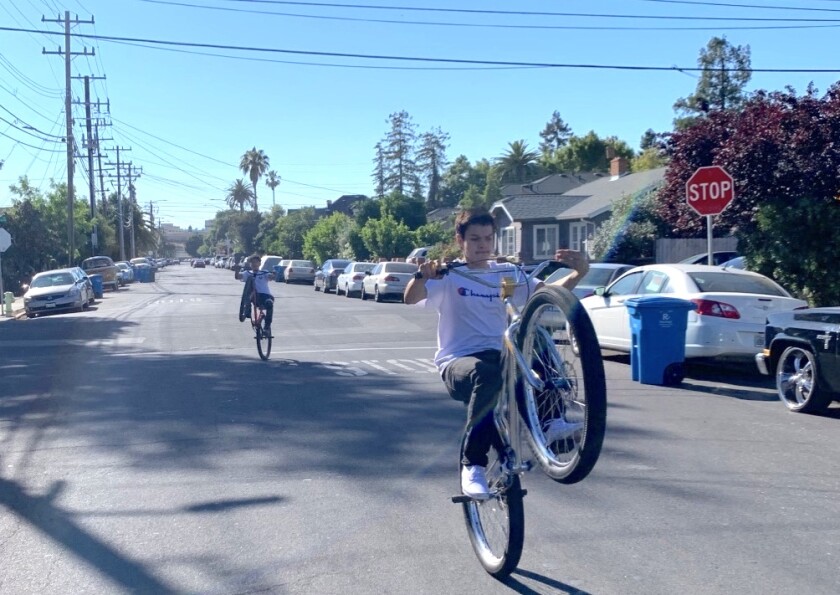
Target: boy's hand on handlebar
[575,260]
[429,270]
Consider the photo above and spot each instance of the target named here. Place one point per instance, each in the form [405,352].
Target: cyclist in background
[251,274]
[471,326]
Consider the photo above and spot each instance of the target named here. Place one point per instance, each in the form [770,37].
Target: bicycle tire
[496,526]
[263,342]
[566,421]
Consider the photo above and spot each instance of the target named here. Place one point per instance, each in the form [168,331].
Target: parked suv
[104,266]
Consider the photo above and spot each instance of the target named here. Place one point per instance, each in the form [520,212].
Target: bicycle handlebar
[523,276]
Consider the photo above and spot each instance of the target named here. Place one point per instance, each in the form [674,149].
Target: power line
[421,59]
[733,5]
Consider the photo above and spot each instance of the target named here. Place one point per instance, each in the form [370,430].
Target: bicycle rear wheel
[566,420]
[496,526]
[263,341]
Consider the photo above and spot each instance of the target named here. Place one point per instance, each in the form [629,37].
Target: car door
[608,313]
[370,280]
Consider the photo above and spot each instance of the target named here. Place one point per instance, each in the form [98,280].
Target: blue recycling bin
[657,338]
[98,287]
[278,272]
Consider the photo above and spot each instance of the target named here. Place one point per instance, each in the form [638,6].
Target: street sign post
[708,192]
[5,242]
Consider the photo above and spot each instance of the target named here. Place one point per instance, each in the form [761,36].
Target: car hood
[37,292]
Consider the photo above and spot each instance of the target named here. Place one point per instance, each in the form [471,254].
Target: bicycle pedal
[462,499]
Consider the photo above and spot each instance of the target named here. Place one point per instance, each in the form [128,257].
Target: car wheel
[376,296]
[315,285]
[797,375]
[347,291]
[362,294]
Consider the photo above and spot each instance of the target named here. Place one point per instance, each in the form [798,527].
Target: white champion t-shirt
[471,316]
[260,281]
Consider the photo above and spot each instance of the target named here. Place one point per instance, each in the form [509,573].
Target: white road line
[375,365]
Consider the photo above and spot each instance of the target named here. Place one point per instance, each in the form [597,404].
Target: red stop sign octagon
[709,190]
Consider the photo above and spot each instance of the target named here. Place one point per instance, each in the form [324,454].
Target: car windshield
[53,280]
[361,267]
[300,263]
[721,282]
[399,267]
[339,264]
[95,263]
[596,277]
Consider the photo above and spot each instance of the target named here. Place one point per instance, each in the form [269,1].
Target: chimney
[618,167]
[329,204]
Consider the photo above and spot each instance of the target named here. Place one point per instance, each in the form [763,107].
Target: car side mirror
[367,273]
[601,291]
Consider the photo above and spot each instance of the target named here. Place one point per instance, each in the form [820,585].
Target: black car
[326,276]
[801,349]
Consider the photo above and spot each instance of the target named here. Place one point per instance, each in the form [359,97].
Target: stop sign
[709,190]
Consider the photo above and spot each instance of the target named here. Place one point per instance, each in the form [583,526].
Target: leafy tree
[387,237]
[193,244]
[365,210]
[492,190]
[431,160]
[291,231]
[33,246]
[589,153]
[629,235]
[649,140]
[272,180]
[254,163]
[555,135]
[725,73]
[322,241]
[456,179]
[239,195]
[473,197]
[431,234]
[379,170]
[267,233]
[650,158]
[400,169]
[518,164]
[782,152]
[411,211]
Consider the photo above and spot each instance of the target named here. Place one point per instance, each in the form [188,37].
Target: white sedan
[387,280]
[731,307]
[349,282]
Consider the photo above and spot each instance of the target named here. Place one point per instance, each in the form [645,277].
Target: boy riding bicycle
[471,326]
[252,275]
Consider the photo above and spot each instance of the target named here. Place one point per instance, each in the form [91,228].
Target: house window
[545,241]
[578,235]
[507,242]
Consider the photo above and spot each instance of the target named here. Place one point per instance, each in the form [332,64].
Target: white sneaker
[560,429]
[474,483]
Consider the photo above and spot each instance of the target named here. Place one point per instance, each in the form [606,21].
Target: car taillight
[392,279]
[713,308]
[358,277]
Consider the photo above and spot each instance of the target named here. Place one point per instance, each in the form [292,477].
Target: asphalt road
[144,447]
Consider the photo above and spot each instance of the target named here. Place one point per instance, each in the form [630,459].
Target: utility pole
[91,147]
[120,216]
[71,251]
[99,142]
[133,195]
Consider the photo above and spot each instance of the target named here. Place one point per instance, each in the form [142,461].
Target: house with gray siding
[531,226]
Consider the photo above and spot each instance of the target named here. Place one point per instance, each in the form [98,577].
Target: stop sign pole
[709,191]
[5,242]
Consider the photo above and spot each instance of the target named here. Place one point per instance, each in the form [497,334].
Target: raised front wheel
[566,418]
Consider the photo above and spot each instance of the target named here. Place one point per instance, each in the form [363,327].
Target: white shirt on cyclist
[471,316]
[260,281]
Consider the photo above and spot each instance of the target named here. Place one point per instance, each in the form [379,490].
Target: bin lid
[658,302]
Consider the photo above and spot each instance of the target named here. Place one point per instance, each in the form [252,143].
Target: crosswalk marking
[391,367]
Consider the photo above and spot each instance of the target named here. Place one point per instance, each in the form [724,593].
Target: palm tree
[272,180]
[254,163]
[518,163]
[239,195]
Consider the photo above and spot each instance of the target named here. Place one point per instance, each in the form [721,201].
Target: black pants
[264,300]
[476,380]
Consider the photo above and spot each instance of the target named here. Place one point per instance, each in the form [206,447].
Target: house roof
[583,202]
[600,195]
[551,184]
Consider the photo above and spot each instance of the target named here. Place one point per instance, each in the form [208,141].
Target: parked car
[717,257]
[326,277]
[268,262]
[104,266]
[198,263]
[731,307]
[299,271]
[739,262]
[802,350]
[58,290]
[600,274]
[387,280]
[417,254]
[126,273]
[349,282]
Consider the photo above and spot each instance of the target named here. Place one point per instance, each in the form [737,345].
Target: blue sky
[188,116]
